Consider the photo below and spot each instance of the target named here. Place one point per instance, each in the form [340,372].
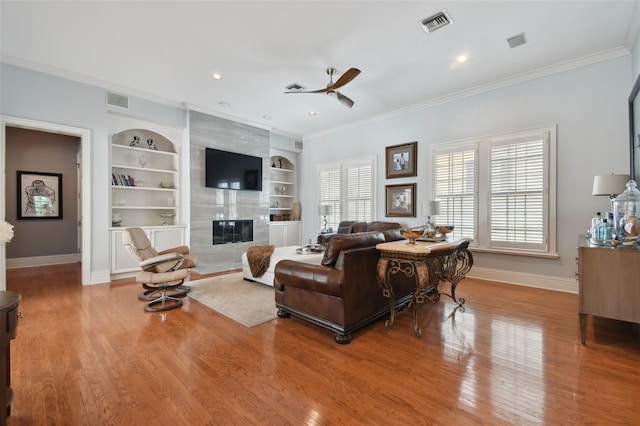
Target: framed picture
[401,200]
[39,195]
[402,160]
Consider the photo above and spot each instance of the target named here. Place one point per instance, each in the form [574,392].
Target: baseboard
[25,262]
[566,285]
[100,277]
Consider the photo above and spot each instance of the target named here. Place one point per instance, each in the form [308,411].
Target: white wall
[37,96]
[589,106]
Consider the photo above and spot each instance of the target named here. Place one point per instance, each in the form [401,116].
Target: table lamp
[610,185]
[324,210]
[432,208]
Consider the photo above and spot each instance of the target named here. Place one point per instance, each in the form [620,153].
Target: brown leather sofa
[352,227]
[342,293]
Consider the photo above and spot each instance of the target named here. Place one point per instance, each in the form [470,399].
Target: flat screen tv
[229,170]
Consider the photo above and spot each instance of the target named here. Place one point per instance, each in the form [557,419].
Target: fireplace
[232,231]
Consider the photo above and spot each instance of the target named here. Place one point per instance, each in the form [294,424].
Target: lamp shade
[609,184]
[433,208]
[324,209]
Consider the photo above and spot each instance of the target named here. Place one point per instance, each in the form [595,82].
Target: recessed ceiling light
[462,58]
[312,113]
[216,76]
[225,104]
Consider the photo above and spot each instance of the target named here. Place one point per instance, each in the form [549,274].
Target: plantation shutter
[518,193]
[330,178]
[455,187]
[359,191]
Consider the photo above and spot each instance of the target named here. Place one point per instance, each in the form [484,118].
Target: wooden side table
[9,301]
[609,283]
[428,263]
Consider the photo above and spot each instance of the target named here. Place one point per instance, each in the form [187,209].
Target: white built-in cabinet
[144,187]
[283,231]
[162,238]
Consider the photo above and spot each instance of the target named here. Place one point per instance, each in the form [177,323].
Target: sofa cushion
[344,229]
[360,227]
[392,235]
[346,241]
[382,226]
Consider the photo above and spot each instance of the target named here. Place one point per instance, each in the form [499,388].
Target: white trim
[98,277]
[85,167]
[58,259]
[566,285]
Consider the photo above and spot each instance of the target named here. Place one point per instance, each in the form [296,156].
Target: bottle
[605,230]
[595,223]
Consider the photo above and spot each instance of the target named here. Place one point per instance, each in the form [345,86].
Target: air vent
[516,40]
[297,145]
[437,21]
[295,87]
[116,100]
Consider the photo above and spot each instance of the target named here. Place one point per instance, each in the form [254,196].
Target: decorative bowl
[412,234]
[444,229]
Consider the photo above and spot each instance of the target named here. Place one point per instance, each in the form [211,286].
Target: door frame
[85,176]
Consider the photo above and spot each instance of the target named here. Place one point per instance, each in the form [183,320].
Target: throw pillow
[344,230]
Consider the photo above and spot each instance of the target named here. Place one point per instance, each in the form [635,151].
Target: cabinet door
[121,259]
[166,238]
[292,234]
[277,235]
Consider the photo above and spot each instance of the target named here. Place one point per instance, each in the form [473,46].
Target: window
[349,189]
[500,190]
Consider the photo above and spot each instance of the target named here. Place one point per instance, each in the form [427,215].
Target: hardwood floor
[91,356]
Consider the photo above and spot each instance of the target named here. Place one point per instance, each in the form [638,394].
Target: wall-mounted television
[230,170]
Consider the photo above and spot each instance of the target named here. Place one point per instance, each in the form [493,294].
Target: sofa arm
[324,238]
[306,276]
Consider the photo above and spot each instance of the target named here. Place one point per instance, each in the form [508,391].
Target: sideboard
[608,283]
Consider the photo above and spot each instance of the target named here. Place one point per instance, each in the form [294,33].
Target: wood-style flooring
[91,356]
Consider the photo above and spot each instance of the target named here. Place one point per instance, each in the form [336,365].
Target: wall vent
[516,40]
[295,87]
[116,100]
[437,21]
[297,145]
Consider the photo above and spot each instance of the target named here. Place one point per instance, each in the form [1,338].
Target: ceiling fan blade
[311,91]
[344,100]
[345,78]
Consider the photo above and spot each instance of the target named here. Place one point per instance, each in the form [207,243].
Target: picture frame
[402,160]
[401,200]
[39,195]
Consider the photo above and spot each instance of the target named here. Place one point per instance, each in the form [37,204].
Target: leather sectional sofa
[342,293]
[352,227]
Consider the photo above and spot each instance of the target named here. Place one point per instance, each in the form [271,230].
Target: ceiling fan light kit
[332,88]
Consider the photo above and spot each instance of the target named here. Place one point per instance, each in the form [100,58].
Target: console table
[9,301]
[427,263]
[608,280]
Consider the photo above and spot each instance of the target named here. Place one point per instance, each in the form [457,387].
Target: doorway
[85,185]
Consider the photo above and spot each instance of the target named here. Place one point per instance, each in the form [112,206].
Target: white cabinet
[282,234]
[144,181]
[162,238]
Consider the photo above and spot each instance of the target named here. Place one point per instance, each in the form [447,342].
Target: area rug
[243,301]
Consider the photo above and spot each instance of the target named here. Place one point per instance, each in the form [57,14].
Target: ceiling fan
[332,88]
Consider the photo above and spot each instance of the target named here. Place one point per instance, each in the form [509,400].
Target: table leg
[422,288]
[387,288]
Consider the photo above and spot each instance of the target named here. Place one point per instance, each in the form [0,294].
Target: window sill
[515,252]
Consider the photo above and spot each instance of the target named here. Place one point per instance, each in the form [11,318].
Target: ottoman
[279,253]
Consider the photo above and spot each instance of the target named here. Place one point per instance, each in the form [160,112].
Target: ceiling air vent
[516,40]
[295,87]
[117,100]
[437,21]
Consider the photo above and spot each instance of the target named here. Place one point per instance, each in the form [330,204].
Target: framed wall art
[39,195]
[401,200]
[401,160]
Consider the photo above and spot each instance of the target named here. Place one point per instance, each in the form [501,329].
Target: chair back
[138,244]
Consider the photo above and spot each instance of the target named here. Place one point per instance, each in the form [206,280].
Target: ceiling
[167,51]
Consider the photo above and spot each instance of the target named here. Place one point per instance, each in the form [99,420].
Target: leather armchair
[342,293]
